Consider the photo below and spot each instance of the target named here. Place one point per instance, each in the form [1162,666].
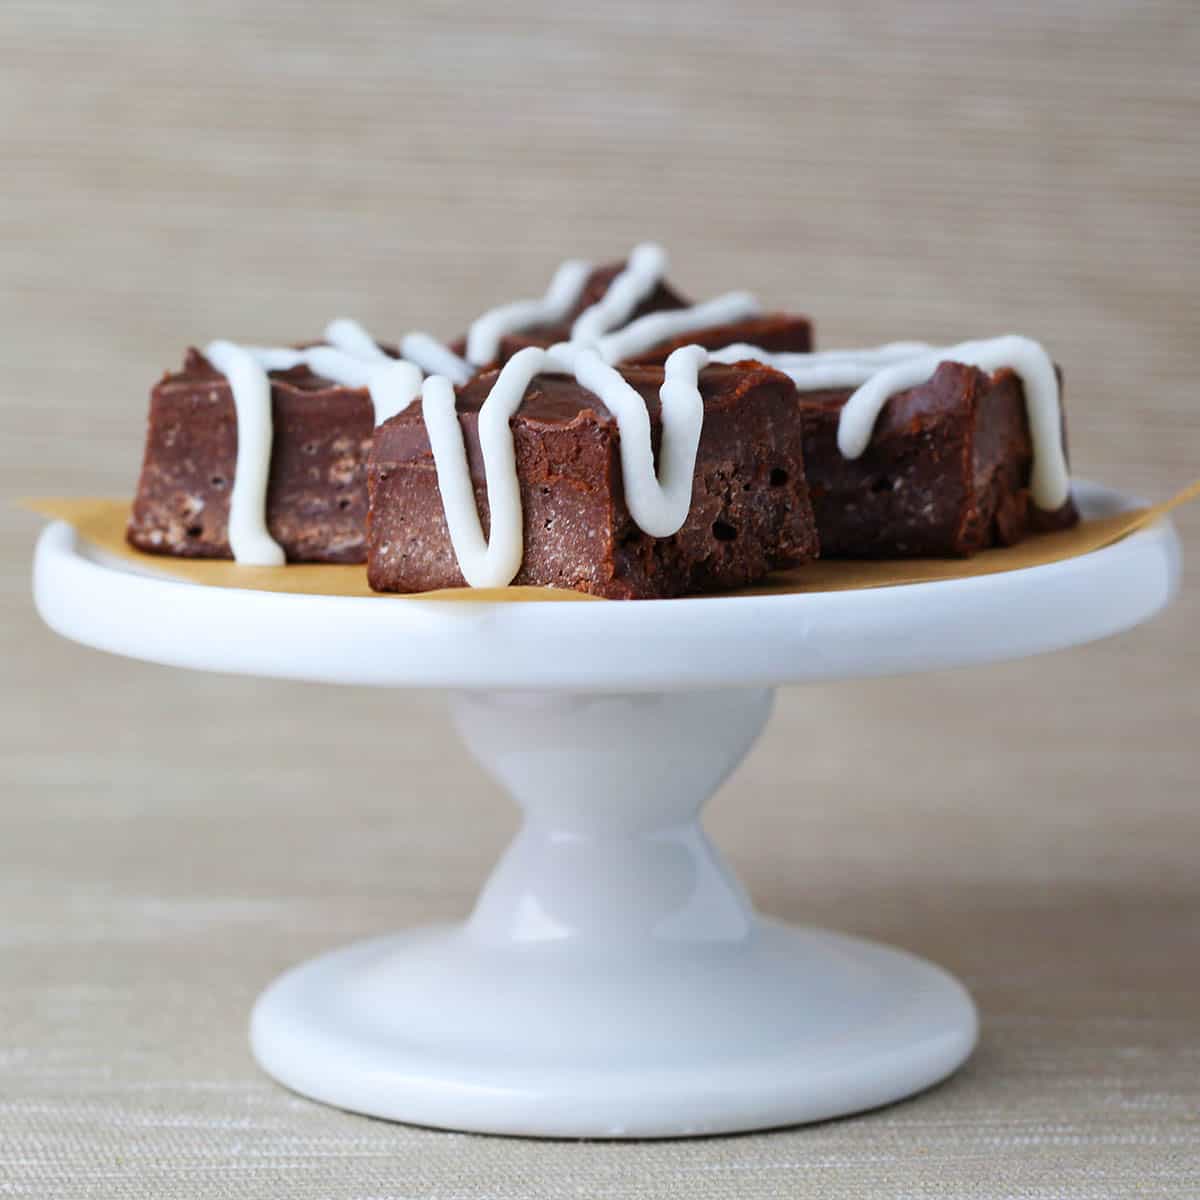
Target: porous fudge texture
[750,508]
[317,496]
[946,472]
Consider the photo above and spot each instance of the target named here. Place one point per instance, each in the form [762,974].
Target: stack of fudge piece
[946,472]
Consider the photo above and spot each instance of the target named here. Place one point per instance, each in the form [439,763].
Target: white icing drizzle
[432,356]
[825,368]
[356,361]
[345,334]
[606,325]
[659,503]
[392,383]
[643,272]
[1050,480]
[483,338]
[435,358]
[649,331]
[880,373]
[248,536]
[492,562]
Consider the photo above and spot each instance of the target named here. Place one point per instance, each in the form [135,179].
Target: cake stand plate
[614,979]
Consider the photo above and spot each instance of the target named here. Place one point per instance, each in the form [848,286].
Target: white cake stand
[613,980]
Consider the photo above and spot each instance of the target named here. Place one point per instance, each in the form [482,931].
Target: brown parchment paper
[102,523]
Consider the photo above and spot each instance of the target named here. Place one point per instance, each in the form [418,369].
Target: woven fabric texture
[170,842]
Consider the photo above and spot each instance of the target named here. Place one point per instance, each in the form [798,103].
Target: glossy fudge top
[558,401]
[774,332]
[198,372]
[662,297]
[944,391]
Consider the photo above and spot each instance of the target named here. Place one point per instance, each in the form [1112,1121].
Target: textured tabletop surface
[169,842]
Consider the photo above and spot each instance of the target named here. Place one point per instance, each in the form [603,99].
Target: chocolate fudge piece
[774,332]
[946,472]
[317,494]
[663,297]
[750,508]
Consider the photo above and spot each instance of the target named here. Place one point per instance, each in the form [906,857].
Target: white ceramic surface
[650,645]
[613,979]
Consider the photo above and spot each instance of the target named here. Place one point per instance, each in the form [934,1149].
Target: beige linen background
[169,841]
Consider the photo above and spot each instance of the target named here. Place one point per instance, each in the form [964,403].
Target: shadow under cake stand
[613,979]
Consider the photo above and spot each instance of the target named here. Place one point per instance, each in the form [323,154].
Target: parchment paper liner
[102,523]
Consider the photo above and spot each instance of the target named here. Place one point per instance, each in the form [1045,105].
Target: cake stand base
[613,980]
[794,1025]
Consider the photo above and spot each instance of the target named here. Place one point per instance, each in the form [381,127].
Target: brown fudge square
[946,472]
[750,508]
[663,297]
[774,332]
[317,494]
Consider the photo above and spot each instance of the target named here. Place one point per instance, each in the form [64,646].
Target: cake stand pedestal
[613,979]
